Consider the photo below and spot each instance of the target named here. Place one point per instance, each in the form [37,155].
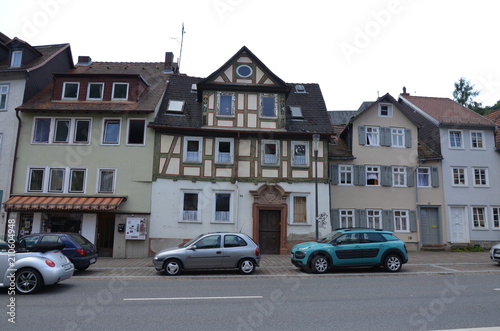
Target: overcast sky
[355,50]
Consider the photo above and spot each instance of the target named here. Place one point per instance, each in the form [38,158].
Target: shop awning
[67,203]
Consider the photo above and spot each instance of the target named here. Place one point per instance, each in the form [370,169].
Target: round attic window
[244,71]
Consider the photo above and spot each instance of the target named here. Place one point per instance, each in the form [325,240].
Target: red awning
[29,202]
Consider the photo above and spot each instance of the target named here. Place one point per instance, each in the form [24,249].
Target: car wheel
[173,267]
[28,281]
[320,264]
[392,263]
[246,266]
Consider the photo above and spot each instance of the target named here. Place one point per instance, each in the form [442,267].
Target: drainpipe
[416,208]
[14,162]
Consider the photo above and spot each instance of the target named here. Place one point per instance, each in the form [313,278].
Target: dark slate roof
[339,117]
[315,116]
[151,73]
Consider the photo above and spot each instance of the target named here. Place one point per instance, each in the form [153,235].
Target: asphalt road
[359,302]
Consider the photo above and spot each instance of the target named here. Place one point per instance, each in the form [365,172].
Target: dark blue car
[81,252]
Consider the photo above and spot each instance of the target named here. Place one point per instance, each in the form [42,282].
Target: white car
[495,253]
[26,271]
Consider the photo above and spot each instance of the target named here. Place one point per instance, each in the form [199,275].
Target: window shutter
[362,135]
[434,177]
[387,221]
[335,219]
[386,176]
[385,137]
[413,221]
[360,218]
[359,175]
[408,138]
[410,176]
[334,174]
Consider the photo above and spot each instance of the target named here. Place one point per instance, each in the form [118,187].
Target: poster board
[135,228]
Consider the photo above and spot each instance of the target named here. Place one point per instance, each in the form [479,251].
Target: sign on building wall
[136,228]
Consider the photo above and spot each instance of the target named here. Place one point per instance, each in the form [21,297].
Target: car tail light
[81,251]
[50,263]
[257,251]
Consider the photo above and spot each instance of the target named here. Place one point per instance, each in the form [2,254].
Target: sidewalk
[280,266]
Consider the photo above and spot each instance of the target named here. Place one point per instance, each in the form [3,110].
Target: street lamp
[315,149]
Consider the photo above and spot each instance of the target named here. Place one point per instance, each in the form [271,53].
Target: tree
[464,94]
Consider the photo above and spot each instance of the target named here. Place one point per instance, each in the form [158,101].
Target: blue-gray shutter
[334,174]
[360,218]
[434,177]
[410,176]
[408,138]
[386,175]
[335,218]
[359,175]
[387,221]
[385,137]
[413,221]
[362,135]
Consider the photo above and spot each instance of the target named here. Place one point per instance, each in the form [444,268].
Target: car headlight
[303,248]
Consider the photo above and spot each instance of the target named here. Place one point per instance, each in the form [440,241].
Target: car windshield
[329,237]
[186,244]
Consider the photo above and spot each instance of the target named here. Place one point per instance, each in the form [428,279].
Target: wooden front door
[105,234]
[429,226]
[269,231]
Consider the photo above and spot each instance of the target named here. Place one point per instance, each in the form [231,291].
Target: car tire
[320,264]
[28,281]
[172,267]
[246,266]
[393,263]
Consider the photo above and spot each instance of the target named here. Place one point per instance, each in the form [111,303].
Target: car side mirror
[192,248]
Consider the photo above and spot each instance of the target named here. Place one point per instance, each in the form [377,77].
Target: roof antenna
[181,43]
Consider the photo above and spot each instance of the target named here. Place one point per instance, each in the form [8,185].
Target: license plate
[92,261]
[496,255]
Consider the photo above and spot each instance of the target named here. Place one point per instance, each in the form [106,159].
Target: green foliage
[475,248]
[464,94]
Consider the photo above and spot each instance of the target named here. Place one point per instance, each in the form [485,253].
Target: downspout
[417,215]
[236,158]
[16,146]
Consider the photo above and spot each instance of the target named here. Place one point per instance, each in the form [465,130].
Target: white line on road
[194,298]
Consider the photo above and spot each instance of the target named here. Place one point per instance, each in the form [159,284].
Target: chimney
[84,61]
[404,92]
[169,63]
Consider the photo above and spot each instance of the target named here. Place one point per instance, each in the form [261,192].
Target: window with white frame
[478,218]
[270,152]
[385,110]
[374,218]
[41,130]
[82,131]
[399,176]
[95,91]
[120,91]
[476,140]
[225,104]
[4,93]
[372,175]
[77,180]
[455,139]
[372,136]
[70,90]
[346,174]
[56,180]
[16,59]
[76,131]
[192,149]
[480,176]
[175,105]
[61,180]
[300,153]
[111,131]
[106,180]
[268,105]
[347,219]
[62,130]
[299,209]
[496,217]
[224,149]
[459,176]
[136,134]
[296,112]
[36,179]
[222,210]
[424,177]
[401,221]
[398,137]
[190,206]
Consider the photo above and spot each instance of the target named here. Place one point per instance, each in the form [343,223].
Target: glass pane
[136,129]
[56,180]
[42,130]
[82,131]
[299,209]
[36,180]
[226,105]
[95,91]
[3,101]
[70,90]
[62,131]
[111,132]
[106,182]
[192,146]
[268,106]
[77,180]
[222,202]
[120,91]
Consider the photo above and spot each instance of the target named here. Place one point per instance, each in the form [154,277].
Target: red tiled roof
[25,202]
[447,111]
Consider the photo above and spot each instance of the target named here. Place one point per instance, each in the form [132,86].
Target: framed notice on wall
[135,228]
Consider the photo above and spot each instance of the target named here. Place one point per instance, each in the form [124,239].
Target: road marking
[194,298]
[450,269]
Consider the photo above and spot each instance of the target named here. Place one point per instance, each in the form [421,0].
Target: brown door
[105,234]
[269,231]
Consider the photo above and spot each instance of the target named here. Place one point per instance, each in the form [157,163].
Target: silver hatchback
[211,251]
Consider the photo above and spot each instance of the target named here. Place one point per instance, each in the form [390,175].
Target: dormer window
[175,105]
[296,112]
[95,91]
[70,91]
[300,89]
[120,91]
[385,110]
[16,59]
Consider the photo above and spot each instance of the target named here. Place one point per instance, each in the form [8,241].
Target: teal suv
[351,248]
